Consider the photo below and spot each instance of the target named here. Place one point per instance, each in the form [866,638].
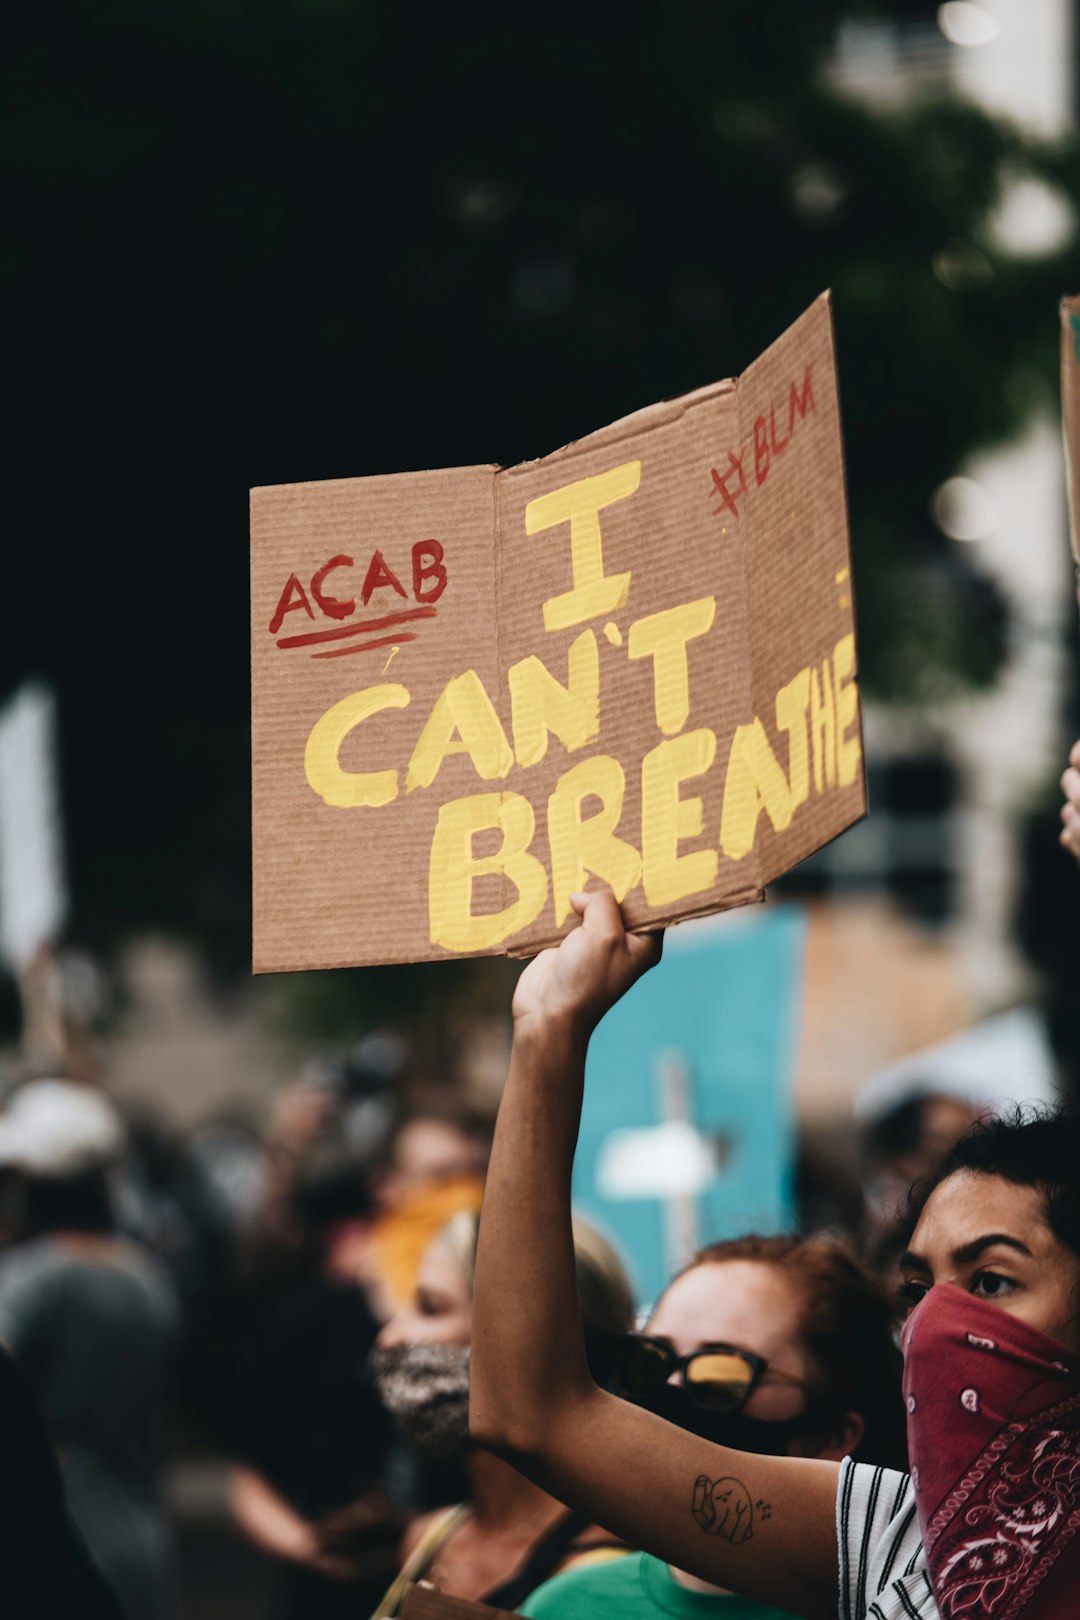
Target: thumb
[646,949]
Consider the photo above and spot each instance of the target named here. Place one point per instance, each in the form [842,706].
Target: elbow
[510,1431]
[504,1408]
[525,1403]
[528,1428]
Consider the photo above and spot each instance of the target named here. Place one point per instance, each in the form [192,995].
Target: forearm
[528,1363]
[761,1526]
[268,1519]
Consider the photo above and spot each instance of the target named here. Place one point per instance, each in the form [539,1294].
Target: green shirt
[637,1587]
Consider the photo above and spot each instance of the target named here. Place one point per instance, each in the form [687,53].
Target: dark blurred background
[250,244]
[246,244]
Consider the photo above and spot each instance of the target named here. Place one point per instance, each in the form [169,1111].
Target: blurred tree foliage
[253,242]
[1048,906]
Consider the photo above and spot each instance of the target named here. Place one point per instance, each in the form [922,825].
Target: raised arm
[1070,810]
[760,1526]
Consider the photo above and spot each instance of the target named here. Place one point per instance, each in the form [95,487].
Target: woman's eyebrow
[971,1251]
[967,1252]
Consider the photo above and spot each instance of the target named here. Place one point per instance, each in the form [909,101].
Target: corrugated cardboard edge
[664,412]
[748,694]
[423,1602]
[1069,310]
[260,967]
[255,968]
[659,413]
[328,483]
[652,925]
[824,301]
[827,297]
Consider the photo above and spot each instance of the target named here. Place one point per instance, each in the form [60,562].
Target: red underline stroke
[358,629]
[366,646]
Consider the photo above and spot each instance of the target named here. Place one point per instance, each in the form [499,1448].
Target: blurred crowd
[293,1297]
[295,1300]
[230,1287]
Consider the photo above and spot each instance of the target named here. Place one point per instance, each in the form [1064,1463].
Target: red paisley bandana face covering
[994,1438]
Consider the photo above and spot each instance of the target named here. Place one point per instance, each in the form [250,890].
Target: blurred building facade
[913,913]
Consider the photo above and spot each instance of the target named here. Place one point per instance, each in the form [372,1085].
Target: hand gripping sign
[475,689]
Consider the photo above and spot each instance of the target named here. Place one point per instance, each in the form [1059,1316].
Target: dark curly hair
[1031,1148]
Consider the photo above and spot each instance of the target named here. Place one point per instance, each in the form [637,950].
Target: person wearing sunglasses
[986,1526]
[772,1345]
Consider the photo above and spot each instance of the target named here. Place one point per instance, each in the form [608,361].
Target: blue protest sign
[687,1132]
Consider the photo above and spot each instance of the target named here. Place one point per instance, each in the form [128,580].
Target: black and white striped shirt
[882,1564]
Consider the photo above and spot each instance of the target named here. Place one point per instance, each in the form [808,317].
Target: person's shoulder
[869,1495]
[33,1291]
[150,1274]
[124,1276]
[880,1544]
[418,1529]
[33,1265]
[589,1588]
[415,1531]
[32,1254]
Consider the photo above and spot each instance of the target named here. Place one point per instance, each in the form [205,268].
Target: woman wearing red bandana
[984,1528]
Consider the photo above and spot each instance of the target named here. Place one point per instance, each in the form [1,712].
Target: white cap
[996,1065]
[58,1128]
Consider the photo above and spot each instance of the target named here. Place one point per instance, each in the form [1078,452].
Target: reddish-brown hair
[846,1331]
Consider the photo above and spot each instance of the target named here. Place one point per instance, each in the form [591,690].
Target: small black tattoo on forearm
[722,1507]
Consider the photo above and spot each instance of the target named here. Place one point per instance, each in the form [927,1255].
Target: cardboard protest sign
[423,1602]
[475,688]
[1070,411]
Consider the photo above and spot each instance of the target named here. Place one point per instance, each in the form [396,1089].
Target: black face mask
[734,1429]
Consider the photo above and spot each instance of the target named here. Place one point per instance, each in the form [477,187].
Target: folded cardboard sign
[477,689]
[1070,411]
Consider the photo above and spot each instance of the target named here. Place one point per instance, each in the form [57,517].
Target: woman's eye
[991,1285]
[910,1293]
